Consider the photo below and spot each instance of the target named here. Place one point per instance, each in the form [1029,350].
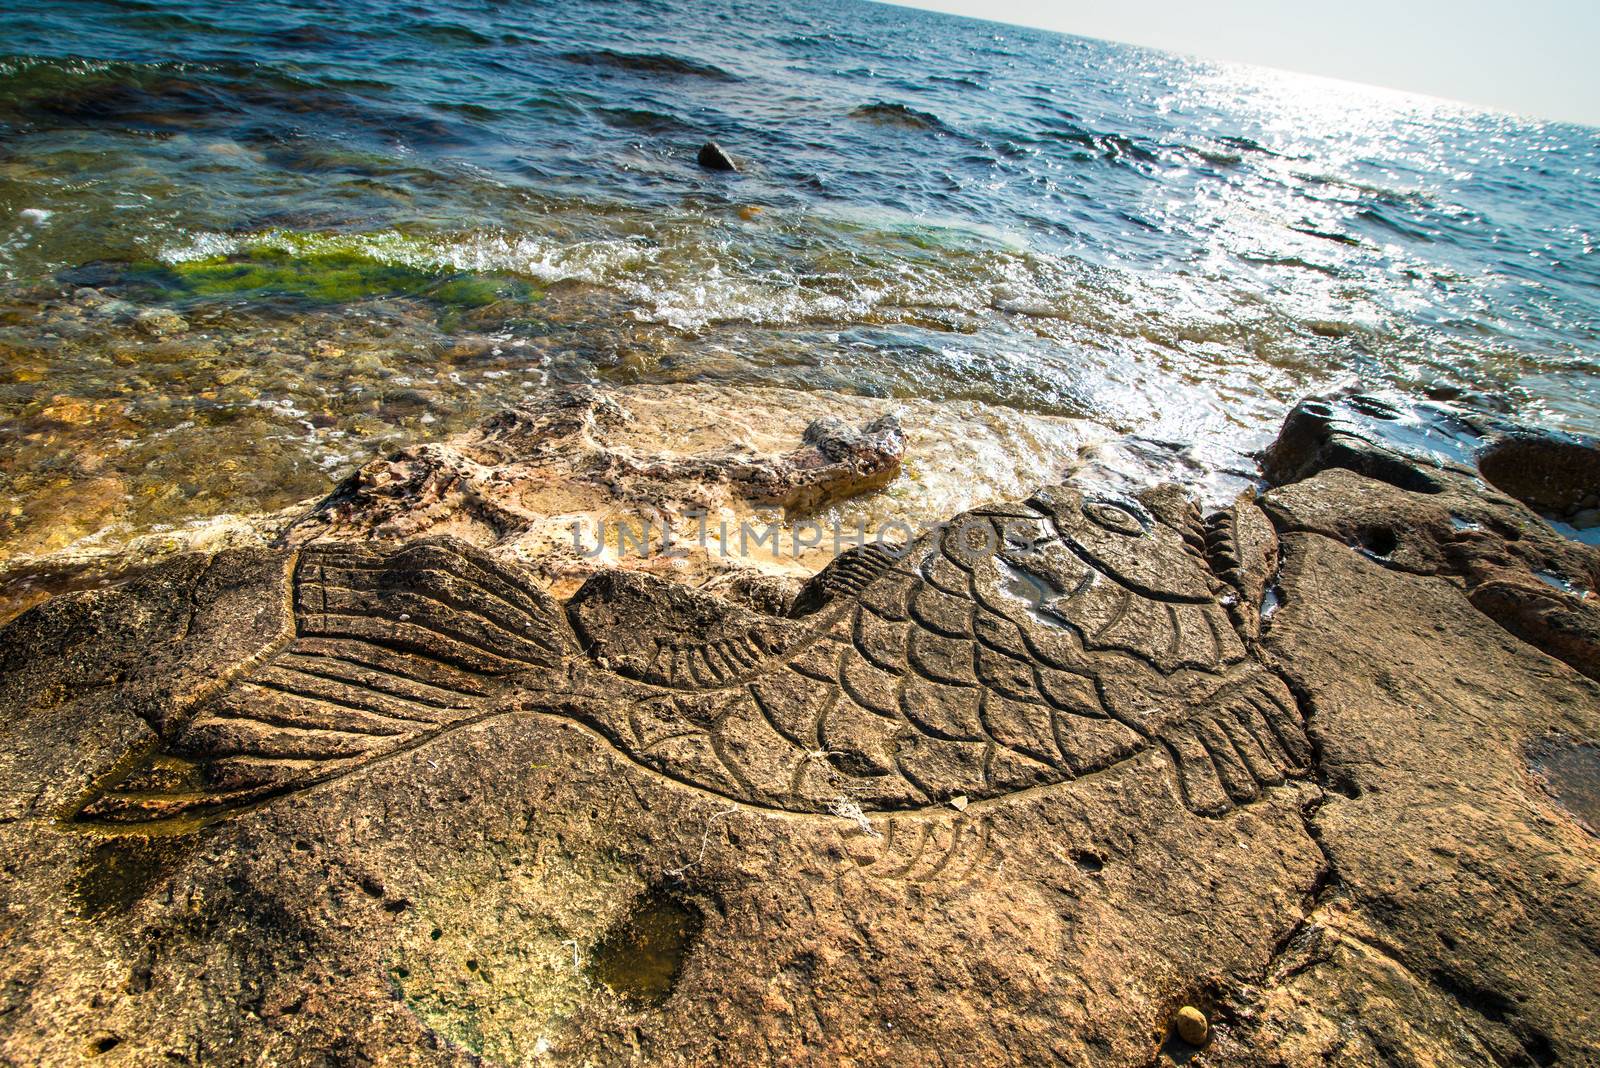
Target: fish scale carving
[1018,647]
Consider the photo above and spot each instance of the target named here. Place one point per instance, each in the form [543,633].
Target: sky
[1532,57]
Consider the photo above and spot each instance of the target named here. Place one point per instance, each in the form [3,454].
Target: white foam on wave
[686,277]
[692,273]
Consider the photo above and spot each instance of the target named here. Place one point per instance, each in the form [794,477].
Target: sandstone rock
[1459,912]
[497,482]
[403,804]
[1440,513]
[1462,898]
[684,469]
[1045,785]
[966,453]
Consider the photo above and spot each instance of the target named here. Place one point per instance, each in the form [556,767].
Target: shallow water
[374,225]
[641,957]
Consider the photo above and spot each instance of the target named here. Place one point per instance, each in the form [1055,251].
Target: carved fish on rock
[1016,647]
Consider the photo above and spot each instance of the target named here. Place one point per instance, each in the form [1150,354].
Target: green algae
[325,277]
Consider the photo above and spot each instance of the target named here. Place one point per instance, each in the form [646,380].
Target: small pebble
[160,322]
[1191,1025]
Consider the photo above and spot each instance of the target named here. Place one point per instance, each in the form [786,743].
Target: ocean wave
[650,63]
[1106,145]
[959,81]
[261,102]
[688,277]
[642,119]
[449,34]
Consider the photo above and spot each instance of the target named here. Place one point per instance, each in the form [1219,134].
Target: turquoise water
[244,247]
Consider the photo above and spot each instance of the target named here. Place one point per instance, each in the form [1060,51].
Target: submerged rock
[682,481]
[967,452]
[160,322]
[314,275]
[497,478]
[347,796]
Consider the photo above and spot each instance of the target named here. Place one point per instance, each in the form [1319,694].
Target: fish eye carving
[1115,517]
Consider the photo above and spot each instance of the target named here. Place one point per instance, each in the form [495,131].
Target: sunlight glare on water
[295,242]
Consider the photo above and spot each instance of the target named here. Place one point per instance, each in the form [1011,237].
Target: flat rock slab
[1013,794]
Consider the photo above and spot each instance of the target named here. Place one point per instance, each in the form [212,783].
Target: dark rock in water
[1552,474]
[713,158]
[1415,487]
[398,796]
[897,115]
[1372,436]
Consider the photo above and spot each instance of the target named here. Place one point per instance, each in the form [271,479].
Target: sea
[246,247]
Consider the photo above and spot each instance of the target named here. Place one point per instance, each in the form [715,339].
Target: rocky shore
[1081,775]
[519,482]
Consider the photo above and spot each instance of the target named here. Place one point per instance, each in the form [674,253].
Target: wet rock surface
[486,478]
[712,157]
[1047,785]
[692,483]
[633,465]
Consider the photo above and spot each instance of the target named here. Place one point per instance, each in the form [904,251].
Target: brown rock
[1191,1025]
[1460,898]
[670,496]
[405,805]
[1435,515]
[159,322]
[1453,940]
[1007,795]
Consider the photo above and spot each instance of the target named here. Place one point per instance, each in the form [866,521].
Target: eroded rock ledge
[1320,764]
[492,477]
